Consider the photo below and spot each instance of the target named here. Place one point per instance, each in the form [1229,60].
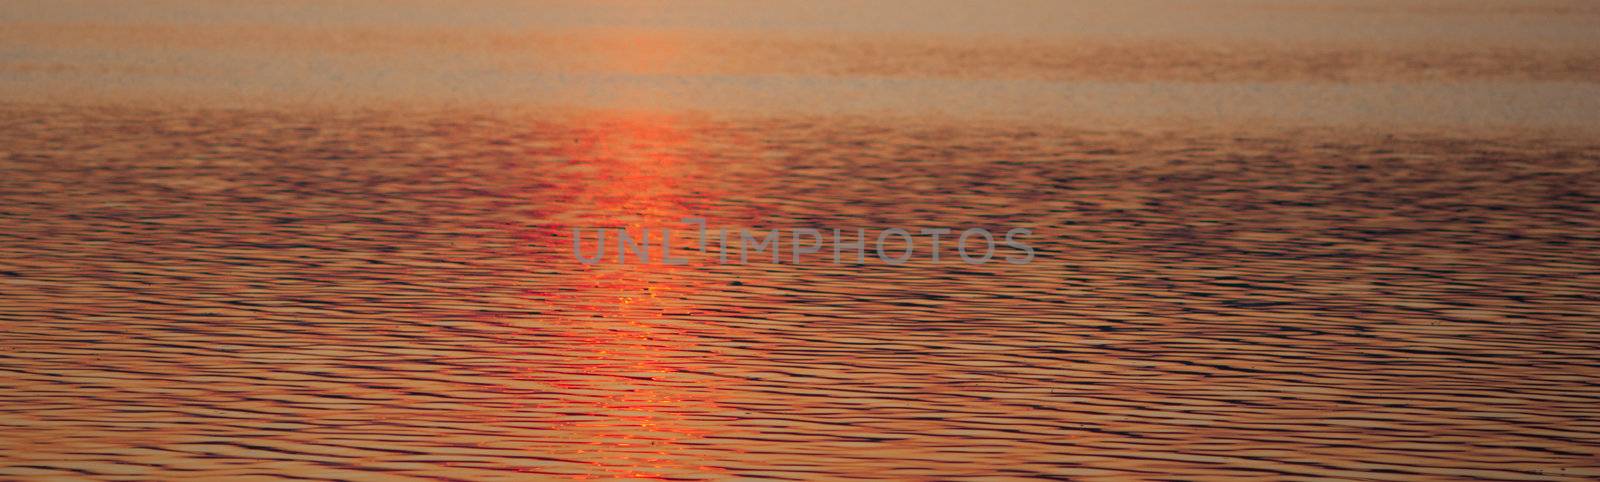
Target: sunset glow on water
[1329,240]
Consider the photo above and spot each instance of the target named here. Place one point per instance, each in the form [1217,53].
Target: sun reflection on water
[632,347]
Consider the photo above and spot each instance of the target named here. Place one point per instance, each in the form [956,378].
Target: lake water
[1275,241]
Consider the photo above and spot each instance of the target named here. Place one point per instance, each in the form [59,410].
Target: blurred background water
[1414,63]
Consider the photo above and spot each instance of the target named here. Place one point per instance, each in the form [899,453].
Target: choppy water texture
[1335,239]
[391,294]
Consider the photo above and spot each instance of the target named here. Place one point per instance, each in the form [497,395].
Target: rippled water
[384,293]
[1309,240]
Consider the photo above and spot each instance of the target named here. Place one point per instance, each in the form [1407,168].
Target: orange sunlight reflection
[634,349]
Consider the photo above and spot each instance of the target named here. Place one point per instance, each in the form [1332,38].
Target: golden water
[215,293]
[1310,240]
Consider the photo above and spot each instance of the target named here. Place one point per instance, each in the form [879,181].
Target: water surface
[1326,240]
